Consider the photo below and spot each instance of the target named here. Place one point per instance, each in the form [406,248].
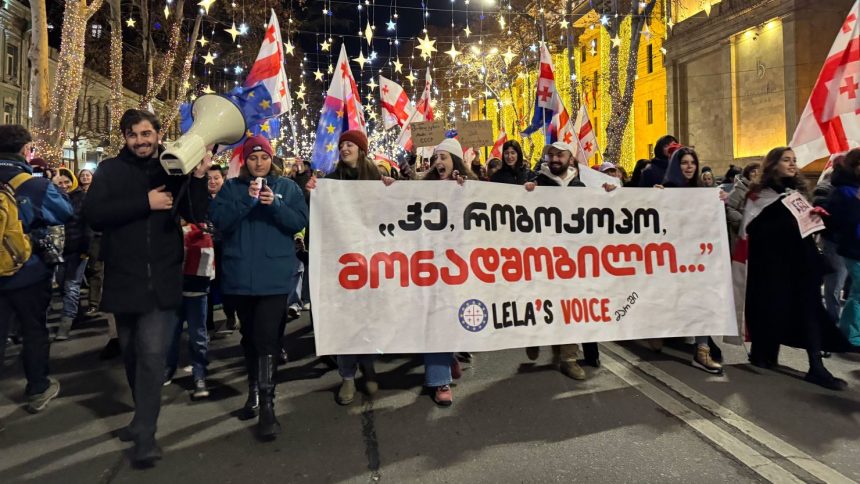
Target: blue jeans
[294,299]
[850,320]
[437,369]
[69,277]
[194,311]
[833,282]
[347,365]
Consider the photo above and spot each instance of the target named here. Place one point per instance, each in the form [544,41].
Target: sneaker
[704,362]
[92,311]
[443,396]
[306,307]
[168,377]
[187,369]
[200,390]
[346,394]
[37,403]
[64,329]
[464,357]
[283,358]
[293,312]
[533,352]
[571,369]
[456,369]
[231,324]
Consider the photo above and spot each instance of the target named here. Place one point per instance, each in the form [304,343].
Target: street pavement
[642,417]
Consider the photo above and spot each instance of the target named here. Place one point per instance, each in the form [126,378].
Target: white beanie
[450,145]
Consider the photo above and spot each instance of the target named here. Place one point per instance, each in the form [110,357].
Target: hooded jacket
[141,248]
[735,207]
[40,205]
[656,170]
[512,175]
[844,221]
[545,178]
[674,178]
[78,233]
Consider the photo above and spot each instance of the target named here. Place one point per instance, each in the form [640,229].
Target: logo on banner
[473,315]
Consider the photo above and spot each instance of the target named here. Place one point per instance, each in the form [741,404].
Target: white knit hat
[450,145]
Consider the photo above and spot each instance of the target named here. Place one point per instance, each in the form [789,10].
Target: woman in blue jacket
[257,214]
[844,222]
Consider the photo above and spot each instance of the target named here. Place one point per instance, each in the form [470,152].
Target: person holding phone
[257,214]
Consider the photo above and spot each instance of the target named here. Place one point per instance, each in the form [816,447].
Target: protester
[75,249]
[493,166]
[562,170]
[257,214]
[636,178]
[737,201]
[834,282]
[784,275]
[514,168]
[25,287]
[198,270]
[683,172]
[654,173]
[844,221]
[133,201]
[609,168]
[729,178]
[215,178]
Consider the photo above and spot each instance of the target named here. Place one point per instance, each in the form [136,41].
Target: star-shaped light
[616,41]
[326,45]
[453,52]
[209,58]
[368,33]
[508,56]
[564,23]
[361,60]
[646,32]
[411,77]
[427,47]
[593,51]
[369,97]
[707,8]
[330,69]
[233,32]
[208,90]
[206,4]
[398,66]
[186,85]
[300,95]
[391,25]
[304,106]
[372,115]
[604,20]
[372,84]
[289,47]
[670,23]
[130,22]
[166,12]
[467,31]
[318,75]
[470,99]
[202,41]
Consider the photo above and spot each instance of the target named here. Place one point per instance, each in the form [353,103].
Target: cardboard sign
[428,133]
[475,134]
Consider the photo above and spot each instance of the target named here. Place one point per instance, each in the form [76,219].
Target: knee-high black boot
[268,426]
[252,404]
[819,375]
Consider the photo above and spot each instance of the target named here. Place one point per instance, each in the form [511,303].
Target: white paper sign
[807,222]
[426,266]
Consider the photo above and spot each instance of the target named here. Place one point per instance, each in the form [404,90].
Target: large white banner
[426,266]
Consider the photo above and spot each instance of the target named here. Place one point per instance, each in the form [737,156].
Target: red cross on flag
[344,88]
[396,107]
[423,112]
[585,133]
[829,123]
[268,69]
[545,103]
[497,146]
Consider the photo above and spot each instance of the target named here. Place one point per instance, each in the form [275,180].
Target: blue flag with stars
[332,123]
[256,106]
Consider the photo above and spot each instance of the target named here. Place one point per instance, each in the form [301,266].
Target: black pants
[29,305]
[260,318]
[590,351]
[143,339]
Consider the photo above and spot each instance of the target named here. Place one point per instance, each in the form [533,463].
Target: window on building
[582,52]
[649,108]
[107,118]
[96,31]
[8,113]
[595,82]
[650,54]
[650,150]
[90,124]
[12,56]
[98,116]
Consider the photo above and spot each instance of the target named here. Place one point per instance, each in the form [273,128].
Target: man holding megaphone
[134,202]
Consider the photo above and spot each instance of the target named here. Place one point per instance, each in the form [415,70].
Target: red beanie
[255,144]
[356,137]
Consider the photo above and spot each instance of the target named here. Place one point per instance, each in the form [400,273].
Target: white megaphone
[216,121]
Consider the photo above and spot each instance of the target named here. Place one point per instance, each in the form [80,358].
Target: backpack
[15,248]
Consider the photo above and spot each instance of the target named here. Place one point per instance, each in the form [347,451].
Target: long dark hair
[770,177]
[845,169]
[465,171]
[520,158]
[674,176]
[365,167]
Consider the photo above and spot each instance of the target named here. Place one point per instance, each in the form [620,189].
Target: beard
[557,168]
[143,150]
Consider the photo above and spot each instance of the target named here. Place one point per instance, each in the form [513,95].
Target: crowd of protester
[160,253]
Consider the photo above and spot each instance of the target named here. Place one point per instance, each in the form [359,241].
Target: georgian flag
[396,107]
[544,96]
[585,133]
[830,123]
[496,152]
[268,69]
[423,112]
